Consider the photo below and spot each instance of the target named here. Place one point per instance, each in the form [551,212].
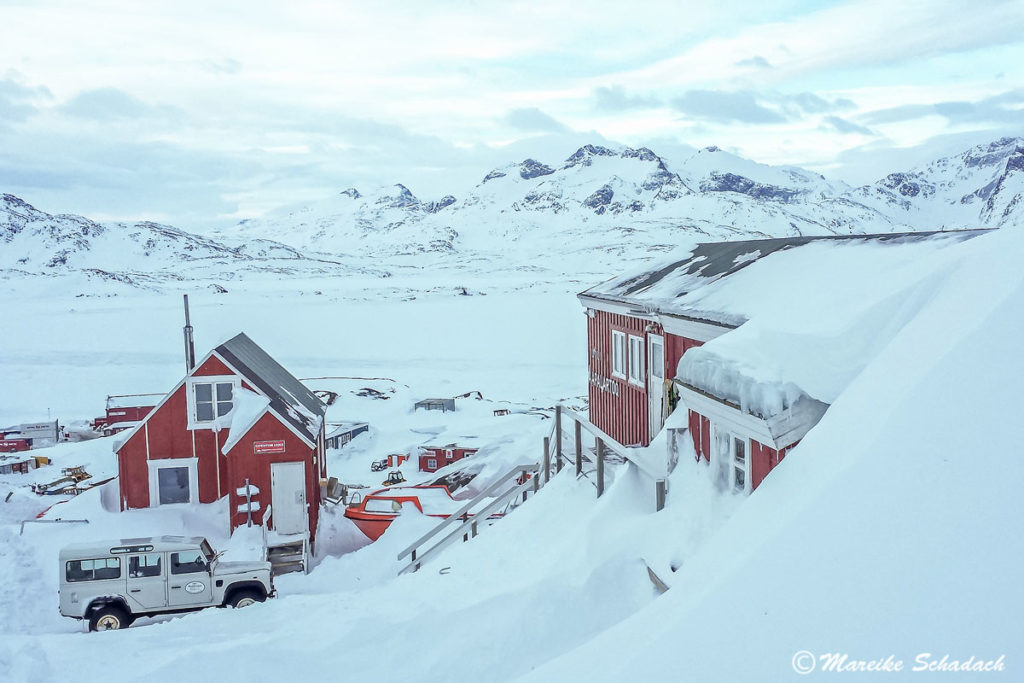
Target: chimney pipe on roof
[190,347]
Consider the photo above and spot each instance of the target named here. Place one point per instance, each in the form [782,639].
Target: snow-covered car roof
[149,543]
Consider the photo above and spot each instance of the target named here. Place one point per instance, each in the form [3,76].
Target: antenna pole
[190,347]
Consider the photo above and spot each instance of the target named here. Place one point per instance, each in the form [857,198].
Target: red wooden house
[641,325]
[236,420]
[123,412]
[433,458]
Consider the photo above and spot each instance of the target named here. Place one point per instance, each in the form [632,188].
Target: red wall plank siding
[616,406]
[212,366]
[243,462]
[675,347]
[761,459]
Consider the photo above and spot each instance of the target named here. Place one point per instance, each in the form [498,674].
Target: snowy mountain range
[602,204]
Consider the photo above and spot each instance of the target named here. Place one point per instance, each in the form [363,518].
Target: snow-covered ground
[892,529]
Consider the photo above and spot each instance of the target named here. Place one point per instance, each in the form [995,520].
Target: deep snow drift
[892,529]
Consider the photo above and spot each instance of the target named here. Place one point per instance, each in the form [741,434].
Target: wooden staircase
[286,553]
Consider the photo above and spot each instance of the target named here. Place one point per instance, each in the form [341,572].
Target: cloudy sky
[200,113]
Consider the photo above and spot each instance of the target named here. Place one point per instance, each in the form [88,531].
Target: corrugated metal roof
[713,261]
[289,397]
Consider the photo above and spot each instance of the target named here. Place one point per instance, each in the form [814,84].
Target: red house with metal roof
[237,425]
[641,328]
[433,458]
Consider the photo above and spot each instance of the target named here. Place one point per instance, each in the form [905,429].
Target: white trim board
[729,417]
[193,479]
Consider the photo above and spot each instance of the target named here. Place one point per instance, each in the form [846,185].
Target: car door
[189,582]
[147,588]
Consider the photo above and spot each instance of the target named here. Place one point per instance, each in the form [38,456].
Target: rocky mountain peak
[585,154]
[351,192]
[531,168]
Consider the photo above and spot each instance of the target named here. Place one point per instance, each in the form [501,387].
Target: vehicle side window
[93,570]
[188,562]
[140,566]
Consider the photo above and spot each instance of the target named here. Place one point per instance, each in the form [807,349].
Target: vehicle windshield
[207,550]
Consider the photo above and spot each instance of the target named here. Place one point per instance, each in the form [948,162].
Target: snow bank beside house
[892,529]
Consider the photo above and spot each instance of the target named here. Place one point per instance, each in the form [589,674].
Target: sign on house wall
[267,447]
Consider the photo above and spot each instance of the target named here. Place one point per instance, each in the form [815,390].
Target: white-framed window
[618,354]
[432,464]
[210,398]
[173,481]
[636,360]
[449,454]
[740,465]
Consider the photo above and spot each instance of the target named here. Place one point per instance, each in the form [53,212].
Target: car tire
[109,618]
[245,598]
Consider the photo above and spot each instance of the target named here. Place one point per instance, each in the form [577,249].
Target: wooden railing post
[547,459]
[600,468]
[660,489]
[558,438]
[579,448]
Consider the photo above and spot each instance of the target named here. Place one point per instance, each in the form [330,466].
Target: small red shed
[237,419]
[124,411]
[641,325]
[433,458]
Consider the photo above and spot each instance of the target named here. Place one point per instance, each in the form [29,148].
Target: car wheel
[109,618]
[244,598]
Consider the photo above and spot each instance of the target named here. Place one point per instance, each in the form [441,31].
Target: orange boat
[375,511]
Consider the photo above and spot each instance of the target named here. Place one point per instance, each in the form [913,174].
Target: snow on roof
[674,287]
[344,428]
[247,407]
[289,397]
[133,400]
[813,316]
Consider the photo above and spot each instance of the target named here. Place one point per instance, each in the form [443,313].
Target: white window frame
[154,482]
[190,396]
[635,366]
[618,354]
[431,464]
[733,466]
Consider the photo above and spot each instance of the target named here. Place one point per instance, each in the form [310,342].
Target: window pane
[224,391]
[204,392]
[144,565]
[657,360]
[741,451]
[740,478]
[93,570]
[173,485]
[204,411]
[223,408]
[188,562]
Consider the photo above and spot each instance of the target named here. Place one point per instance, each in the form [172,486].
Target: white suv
[111,583]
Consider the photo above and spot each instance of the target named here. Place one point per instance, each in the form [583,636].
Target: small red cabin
[642,328]
[397,459]
[237,425]
[433,458]
[125,411]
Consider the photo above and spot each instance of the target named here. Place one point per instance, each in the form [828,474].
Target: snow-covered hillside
[981,187]
[589,215]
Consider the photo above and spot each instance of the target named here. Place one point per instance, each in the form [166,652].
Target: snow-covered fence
[528,479]
[602,445]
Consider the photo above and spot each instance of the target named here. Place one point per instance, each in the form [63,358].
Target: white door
[656,382]
[288,496]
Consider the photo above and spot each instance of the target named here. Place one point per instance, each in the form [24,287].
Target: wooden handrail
[465,508]
[610,443]
[469,524]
